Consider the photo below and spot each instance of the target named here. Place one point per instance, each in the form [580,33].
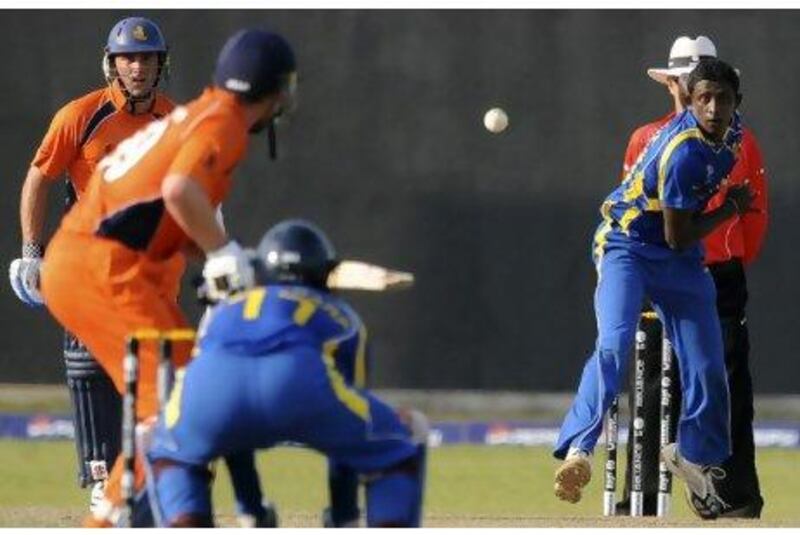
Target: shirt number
[130,151]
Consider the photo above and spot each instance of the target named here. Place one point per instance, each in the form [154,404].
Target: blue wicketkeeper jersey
[279,318]
[678,169]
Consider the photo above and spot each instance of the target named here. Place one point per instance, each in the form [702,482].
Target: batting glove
[227,271]
[23,273]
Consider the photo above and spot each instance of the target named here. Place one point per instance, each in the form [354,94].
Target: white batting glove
[24,276]
[227,271]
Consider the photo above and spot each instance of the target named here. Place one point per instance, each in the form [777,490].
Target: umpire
[728,250]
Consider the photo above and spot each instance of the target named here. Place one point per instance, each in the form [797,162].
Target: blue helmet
[255,63]
[295,251]
[133,35]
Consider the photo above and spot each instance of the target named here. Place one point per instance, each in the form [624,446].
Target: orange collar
[117,96]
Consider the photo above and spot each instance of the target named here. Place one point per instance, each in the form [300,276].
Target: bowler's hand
[741,197]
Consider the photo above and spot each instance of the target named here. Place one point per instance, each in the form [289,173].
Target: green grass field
[467,486]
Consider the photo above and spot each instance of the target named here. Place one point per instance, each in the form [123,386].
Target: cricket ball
[495,120]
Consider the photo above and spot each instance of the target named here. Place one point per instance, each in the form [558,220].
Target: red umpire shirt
[739,237]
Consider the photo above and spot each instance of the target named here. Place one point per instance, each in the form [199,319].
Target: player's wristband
[32,249]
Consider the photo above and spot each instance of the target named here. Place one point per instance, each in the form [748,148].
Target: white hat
[684,56]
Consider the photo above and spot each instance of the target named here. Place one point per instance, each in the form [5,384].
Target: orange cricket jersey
[203,140]
[738,237]
[87,129]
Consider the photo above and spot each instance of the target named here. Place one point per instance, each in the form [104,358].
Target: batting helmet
[296,251]
[255,63]
[134,35]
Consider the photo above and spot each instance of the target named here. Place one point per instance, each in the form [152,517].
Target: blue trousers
[684,296]
[229,403]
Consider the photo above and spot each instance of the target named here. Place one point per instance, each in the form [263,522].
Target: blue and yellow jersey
[679,169]
[280,318]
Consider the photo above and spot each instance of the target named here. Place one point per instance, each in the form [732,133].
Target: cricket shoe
[573,474]
[699,508]
[104,515]
[90,521]
[96,496]
[699,482]
[328,522]
[266,518]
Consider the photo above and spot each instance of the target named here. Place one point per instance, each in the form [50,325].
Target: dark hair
[714,70]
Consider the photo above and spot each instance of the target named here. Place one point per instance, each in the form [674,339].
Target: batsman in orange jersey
[153,198]
[81,133]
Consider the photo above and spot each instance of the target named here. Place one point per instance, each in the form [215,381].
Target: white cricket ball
[495,120]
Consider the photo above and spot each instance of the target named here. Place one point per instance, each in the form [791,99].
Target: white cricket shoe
[97,495]
[699,480]
[573,474]
[267,519]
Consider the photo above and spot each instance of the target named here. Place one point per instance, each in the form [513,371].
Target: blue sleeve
[681,177]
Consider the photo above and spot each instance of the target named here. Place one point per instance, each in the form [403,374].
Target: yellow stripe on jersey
[605,210]
[172,412]
[305,309]
[692,133]
[306,305]
[351,399]
[361,358]
[634,190]
[600,238]
[627,218]
[653,205]
[252,305]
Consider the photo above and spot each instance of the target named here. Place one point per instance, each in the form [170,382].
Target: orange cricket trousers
[102,291]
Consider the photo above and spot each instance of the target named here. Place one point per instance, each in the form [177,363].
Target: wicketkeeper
[265,373]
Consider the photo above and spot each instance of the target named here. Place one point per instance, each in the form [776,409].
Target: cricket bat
[355,275]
